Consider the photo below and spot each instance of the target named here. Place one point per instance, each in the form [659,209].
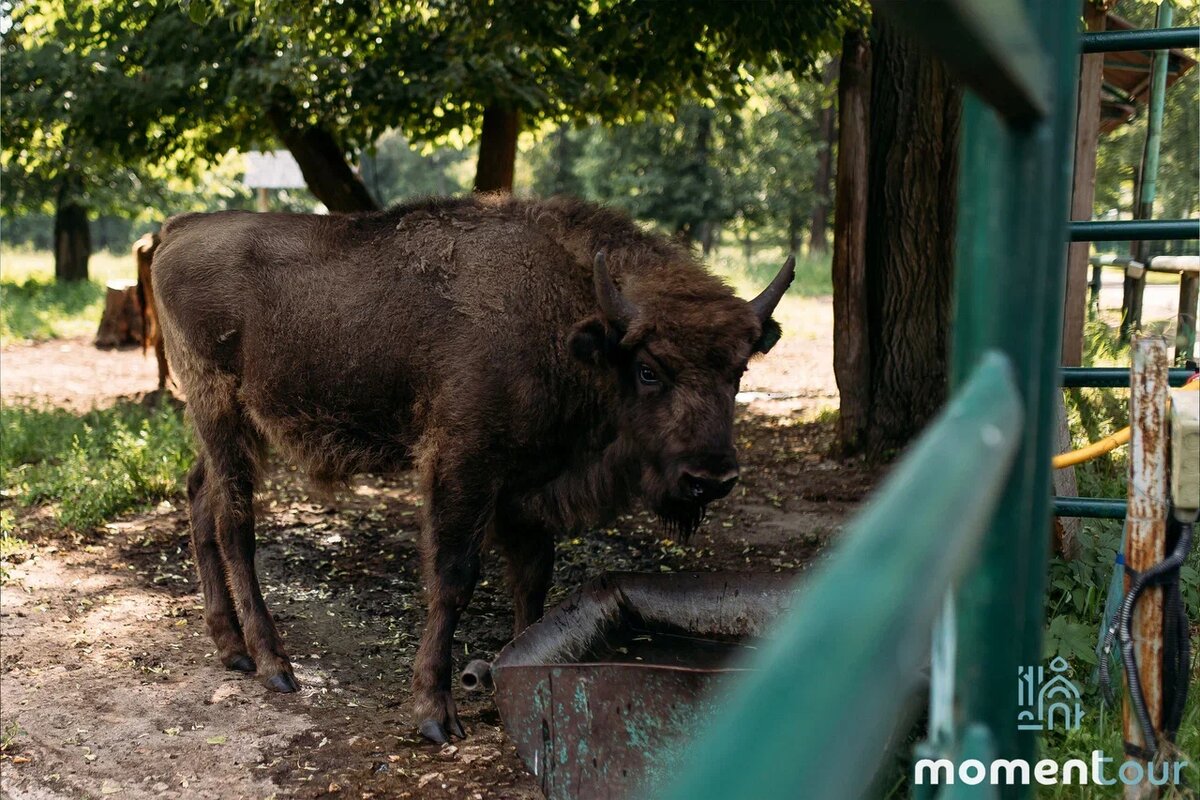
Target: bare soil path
[109,685]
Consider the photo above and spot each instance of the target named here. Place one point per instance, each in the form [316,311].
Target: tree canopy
[129,85]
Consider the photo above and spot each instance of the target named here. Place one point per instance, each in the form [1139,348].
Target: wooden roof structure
[1127,79]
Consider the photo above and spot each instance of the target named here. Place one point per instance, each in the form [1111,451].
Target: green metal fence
[956,540]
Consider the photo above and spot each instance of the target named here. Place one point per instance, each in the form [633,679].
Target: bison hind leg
[232,448]
[220,617]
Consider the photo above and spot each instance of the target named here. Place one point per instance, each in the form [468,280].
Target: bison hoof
[241,663]
[435,732]
[283,682]
[432,730]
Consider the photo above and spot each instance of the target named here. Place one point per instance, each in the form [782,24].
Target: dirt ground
[110,686]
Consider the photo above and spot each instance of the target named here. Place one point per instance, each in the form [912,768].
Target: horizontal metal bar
[851,649]
[1134,230]
[1150,39]
[1092,507]
[987,44]
[1112,377]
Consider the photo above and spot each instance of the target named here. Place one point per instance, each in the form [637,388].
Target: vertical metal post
[1131,307]
[1146,528]
[1185,323]
[1014,192]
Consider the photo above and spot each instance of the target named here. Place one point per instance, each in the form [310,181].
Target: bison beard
[483,340]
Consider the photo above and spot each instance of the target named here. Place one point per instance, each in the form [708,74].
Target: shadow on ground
[110,685]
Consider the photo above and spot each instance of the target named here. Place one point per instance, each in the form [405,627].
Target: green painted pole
[1014,194]
[829,687]
[1131,307]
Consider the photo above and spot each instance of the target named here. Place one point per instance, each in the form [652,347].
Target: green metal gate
[957,537]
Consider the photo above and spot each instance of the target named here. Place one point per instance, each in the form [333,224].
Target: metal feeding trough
[603,694]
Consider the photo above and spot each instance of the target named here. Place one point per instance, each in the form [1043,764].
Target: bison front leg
[528,547]
[455,525]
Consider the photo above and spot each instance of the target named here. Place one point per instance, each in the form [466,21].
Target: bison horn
[614,304]
[764,304]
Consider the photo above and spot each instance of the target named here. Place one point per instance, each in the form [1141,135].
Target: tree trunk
[794,231]
[894,240]
[497,150]
[72,238]
[820,215]
[851,364]
[1083,190]
[322,162]
[913,177]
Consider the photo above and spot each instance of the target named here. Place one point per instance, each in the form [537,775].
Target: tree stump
[121,325]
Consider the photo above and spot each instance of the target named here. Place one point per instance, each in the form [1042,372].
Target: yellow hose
[1107,444]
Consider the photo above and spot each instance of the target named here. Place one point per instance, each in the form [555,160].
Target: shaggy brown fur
[143,254]
[466,336]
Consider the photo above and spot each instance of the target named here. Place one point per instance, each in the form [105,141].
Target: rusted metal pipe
[476,676]
[1146,525]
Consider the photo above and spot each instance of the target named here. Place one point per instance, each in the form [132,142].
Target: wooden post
[1083,191]
[1146,528]
[851,361]
[263,202]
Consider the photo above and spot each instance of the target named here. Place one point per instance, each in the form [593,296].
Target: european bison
[542,363]
[143,254]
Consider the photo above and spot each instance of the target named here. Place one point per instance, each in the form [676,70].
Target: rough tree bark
[1083,191]
[72,238]
[909,256]
[322,161]
[850,357]
[497,150]
[820,216]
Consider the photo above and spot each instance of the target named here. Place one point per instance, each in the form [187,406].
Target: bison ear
[770,335]
[593,342]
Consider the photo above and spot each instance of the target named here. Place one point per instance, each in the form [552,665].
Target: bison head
[677,342]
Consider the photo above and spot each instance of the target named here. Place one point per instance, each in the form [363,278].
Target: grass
[813,271]
[35,308]
[89,468]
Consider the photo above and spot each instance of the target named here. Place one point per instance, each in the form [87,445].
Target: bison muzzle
[541,363]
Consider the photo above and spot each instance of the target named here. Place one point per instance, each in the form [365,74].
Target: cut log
[121,325]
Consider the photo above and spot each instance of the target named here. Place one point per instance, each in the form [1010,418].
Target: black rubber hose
[1178,645]
[1125,620]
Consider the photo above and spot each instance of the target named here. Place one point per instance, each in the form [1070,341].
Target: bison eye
[646,375]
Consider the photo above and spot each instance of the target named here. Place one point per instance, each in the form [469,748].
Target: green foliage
[394,171]
[1120,152]
[373,65]
[39,310]
[747,166]
[117,107]
[91,467]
